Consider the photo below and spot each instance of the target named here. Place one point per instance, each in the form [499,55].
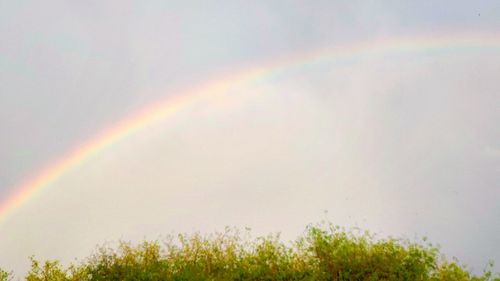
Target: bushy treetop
[324,252]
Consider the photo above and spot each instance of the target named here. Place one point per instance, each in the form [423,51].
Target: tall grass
[324,252]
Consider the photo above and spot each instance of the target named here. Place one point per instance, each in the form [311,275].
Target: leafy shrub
[324,252]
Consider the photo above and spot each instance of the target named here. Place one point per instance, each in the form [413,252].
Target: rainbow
[163,109]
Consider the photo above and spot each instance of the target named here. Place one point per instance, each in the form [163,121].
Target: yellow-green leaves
[324,252]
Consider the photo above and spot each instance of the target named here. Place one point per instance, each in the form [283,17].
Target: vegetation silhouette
[323,252]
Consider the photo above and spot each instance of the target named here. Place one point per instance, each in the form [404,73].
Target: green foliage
[50,270]
[4,275]
[324,253]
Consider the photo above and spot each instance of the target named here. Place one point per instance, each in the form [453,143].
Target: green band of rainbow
[165,108]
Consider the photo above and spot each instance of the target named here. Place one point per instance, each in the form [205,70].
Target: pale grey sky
[402,146]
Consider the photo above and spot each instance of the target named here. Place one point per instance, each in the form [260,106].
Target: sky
[402,144]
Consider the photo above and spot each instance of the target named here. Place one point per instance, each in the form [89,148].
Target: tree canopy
[324,252]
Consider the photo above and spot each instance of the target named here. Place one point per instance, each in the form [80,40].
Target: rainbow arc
[162,109]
